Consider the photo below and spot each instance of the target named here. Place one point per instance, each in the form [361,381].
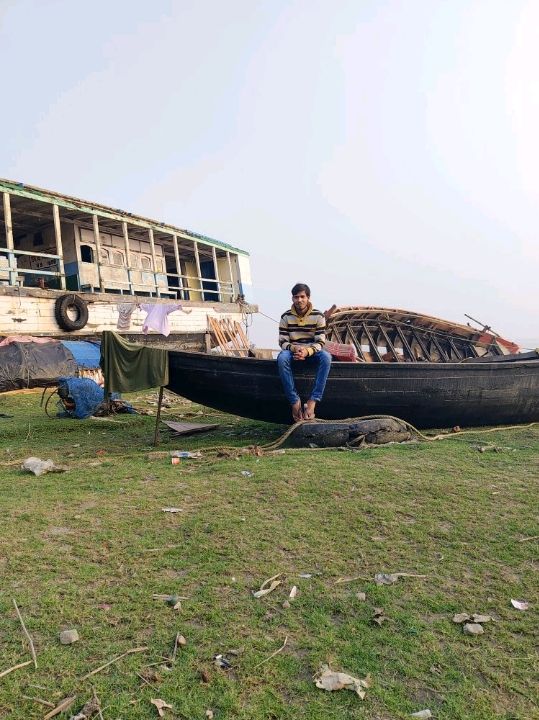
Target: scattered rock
[220,661]
[361,596]
[477,618]
[461,618]
[161,705]
[473,629]
[286,604]
[327,679]
[385,578]
[68,637]
[40,467]
[423,714]
[520,604]
[378,616]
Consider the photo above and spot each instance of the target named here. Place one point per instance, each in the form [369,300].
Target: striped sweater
[308,330]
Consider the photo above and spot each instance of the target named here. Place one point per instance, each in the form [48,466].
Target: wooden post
[177,260]
[154,261]
[199,272]
[158,417]
[59,248]
[216,272]
[97,241]
[127,257]
[231,276]
[9,240]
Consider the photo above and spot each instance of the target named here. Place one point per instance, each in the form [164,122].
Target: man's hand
[300,352]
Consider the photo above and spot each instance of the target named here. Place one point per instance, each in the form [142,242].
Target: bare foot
[308,412]
[297,414]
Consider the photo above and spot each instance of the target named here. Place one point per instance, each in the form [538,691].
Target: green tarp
[128,367]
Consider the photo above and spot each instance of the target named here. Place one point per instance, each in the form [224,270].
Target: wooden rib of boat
[426,394]
[392,335]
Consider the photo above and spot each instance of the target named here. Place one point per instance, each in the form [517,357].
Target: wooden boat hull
[427,395]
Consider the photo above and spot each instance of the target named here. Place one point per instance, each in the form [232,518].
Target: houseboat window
[134,261]
[104,255]
[38,238]
[86,254]
[117,258]
[145,263]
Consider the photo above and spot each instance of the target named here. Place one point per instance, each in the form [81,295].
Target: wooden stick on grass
[32,648]
[38,700]
[351,579]
[64,705]
[114,660]
[15,667]
[273,654]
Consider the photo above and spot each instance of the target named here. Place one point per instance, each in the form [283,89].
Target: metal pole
[59,248]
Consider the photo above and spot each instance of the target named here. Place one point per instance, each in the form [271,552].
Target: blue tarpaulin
[86,354]
[86,394]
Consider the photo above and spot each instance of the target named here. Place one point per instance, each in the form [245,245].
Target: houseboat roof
[73,208]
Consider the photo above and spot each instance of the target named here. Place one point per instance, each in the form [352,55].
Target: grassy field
[89,548]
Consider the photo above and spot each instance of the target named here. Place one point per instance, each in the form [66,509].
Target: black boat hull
[427,395]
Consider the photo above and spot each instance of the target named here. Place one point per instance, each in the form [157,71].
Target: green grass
[96,535]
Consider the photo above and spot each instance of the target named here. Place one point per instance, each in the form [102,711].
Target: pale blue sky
[385,152]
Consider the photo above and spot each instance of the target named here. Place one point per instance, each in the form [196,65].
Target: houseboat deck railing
[85,237]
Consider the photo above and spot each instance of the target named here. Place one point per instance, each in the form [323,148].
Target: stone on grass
[473,629]
[461,618]
[478,618]
[67,637]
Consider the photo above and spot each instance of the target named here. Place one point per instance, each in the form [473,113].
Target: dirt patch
[56,531]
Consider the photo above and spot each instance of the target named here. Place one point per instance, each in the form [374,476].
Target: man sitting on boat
[302,335]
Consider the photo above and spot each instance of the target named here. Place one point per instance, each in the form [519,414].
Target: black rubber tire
[70,302]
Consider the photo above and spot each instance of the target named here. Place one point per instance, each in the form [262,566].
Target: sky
[386,152]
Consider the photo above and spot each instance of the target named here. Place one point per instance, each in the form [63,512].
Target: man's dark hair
[301,287]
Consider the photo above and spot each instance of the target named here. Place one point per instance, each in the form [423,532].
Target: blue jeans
[321,360]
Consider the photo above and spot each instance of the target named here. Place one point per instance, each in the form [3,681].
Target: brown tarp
[129,367]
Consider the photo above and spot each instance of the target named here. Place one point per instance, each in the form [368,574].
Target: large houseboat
[69,267]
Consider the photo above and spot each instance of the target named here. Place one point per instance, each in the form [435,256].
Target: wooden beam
[97,241]
[443,354]
[388,342]
[356,343]
[231,276]
[406,345]
[216,272]
[128,257]
[177,261]
[199,273]
[419,341]
[59,247]
[372,343]
[9,241]
[154,261]
[454,348]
